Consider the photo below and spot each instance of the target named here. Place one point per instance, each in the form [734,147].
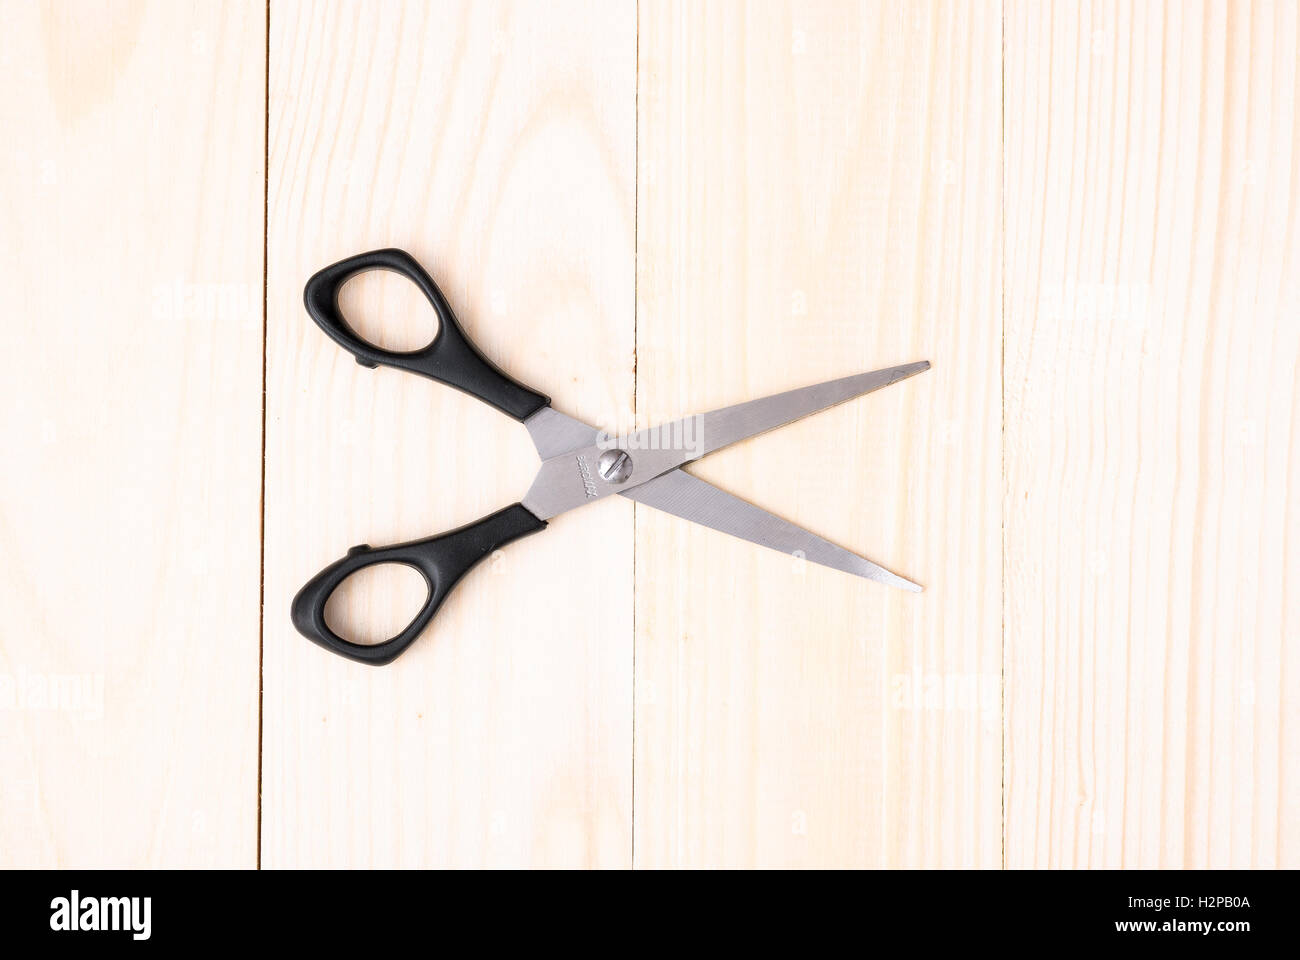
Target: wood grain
[818,196]
[1152,591]
[130,258]
[1085,215]
[496,142]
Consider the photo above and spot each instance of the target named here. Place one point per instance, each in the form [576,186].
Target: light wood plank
[819,195]
[496,142]
[131,260]
[1153,594]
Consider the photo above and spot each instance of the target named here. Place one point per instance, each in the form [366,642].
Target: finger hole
[388,310]
[376,603]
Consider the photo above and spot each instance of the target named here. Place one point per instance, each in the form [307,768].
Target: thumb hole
[388,311]
[376,603]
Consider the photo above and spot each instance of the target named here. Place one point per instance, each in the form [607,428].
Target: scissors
[580,464]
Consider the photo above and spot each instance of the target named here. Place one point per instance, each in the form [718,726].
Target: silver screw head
[614,466]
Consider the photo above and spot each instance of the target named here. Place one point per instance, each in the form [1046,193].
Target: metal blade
[571,477]
[553,433]
[691,498]
[721,428]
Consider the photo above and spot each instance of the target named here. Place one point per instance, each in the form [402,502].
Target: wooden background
[1084,214]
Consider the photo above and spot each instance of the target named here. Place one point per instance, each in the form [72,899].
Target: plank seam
[636,276]
[1002,390]
[261,522]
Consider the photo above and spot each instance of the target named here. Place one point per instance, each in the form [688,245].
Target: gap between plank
[636,274]
[1002,390]
[261,521]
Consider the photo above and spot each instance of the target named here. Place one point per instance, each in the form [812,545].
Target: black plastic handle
[442,560]
[450,358]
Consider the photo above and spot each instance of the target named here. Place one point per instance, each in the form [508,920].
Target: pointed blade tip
[889,579]
[902,583]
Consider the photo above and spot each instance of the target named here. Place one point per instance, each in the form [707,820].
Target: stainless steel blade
[553,433]
[572,478]
[721,428]
[686,496]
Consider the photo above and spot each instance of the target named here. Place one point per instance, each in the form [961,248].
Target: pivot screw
[614,466]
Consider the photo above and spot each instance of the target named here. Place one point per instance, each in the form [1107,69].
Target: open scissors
[579,463]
